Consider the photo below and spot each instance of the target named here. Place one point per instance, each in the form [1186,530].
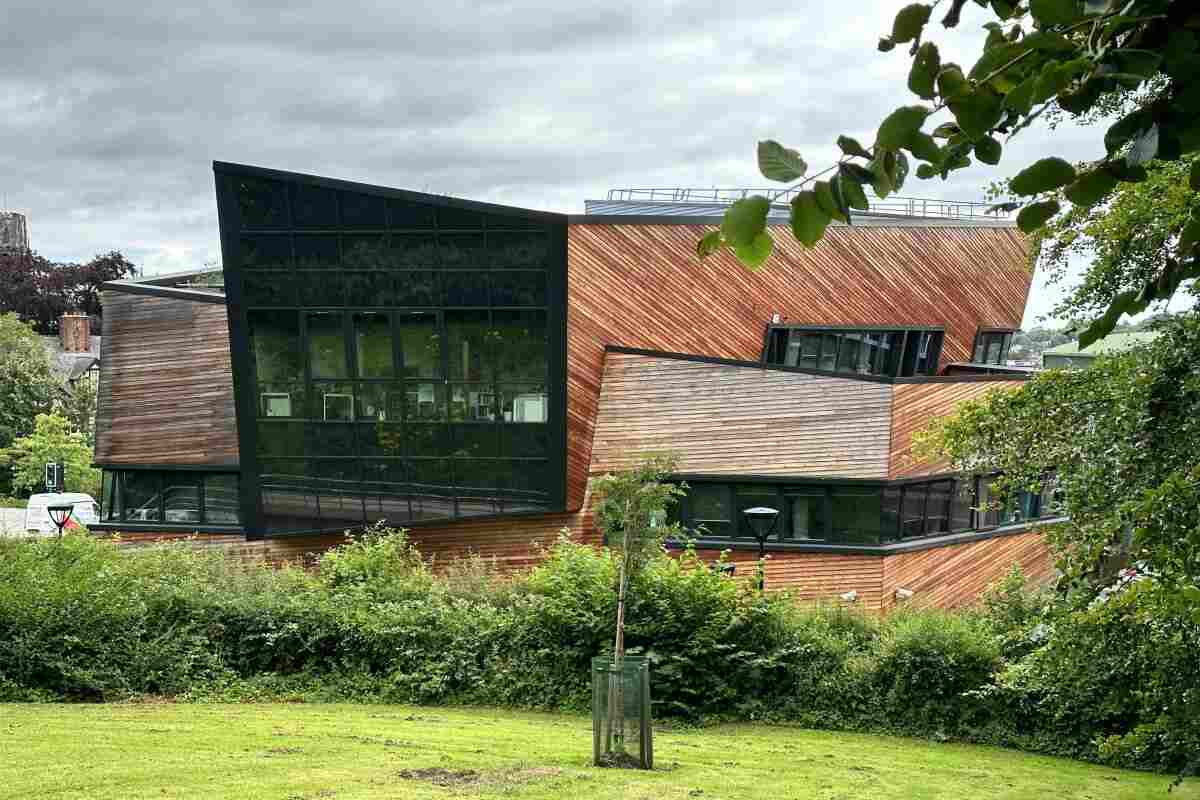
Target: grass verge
[346,752]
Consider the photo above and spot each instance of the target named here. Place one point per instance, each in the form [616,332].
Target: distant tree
[1120,439]
[78,404]
[1132,62]
[27,385]
[53,440]
[39,291]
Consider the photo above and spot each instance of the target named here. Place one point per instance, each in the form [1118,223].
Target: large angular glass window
[181,498]
[406,341]
[862,352]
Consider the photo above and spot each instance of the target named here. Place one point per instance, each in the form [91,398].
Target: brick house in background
[465,369]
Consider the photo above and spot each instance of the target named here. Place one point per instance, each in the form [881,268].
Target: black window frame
[910,351]
[984,337]
[114,478]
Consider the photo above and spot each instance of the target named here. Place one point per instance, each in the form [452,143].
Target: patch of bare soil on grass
[440,776]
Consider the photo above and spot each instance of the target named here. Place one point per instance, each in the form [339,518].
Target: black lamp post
[60,515]
[762,521]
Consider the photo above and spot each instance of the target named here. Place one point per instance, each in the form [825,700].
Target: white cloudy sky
[111,113]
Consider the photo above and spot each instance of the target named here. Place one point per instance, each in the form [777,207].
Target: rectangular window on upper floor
[855,351]
[991,347]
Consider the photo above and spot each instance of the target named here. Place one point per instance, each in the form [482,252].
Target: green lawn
[340,752]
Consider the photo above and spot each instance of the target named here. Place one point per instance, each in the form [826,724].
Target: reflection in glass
[855,515]
[710,509]
[519,339]
[420,346]
[313,206]
[373,345]
[807,515]
[316,252]
[523,250]
[222,504]
[326,345]
[262,203]
[467,334]
[142,496]
[181,498]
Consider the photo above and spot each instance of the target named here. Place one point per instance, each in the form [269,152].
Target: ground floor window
[859,513]
[170,497]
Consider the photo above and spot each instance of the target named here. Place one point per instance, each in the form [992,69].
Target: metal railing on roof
[894,205]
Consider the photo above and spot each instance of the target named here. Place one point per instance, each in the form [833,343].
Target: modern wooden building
[465,369]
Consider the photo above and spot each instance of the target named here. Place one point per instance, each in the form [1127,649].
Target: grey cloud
[113,112]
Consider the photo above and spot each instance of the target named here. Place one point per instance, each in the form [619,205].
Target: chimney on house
[75,332]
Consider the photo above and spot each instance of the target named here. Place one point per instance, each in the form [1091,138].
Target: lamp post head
[60,514]
[762,521]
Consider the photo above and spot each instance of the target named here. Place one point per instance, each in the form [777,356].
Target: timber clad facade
[465,370]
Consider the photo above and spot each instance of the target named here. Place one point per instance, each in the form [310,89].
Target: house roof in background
[1113,343]
[70,366]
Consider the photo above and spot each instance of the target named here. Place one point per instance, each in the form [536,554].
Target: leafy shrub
[82,620]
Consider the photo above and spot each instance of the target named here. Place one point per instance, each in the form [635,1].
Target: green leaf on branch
[851,147]
[998,66]
[779,163]
[1020,99]
[896,128]
[808,220]
[855,172]
[1141,64]
[926,171]
[853,192]
[978,112]
[909,22]
[946,130]
[1126,128]
[1091,187]
[951,82]
[709,244]
[828,201]
[922,145]
[925,67]
[1055,12]
[896,165]
[1044,175]
[1124,303]
[886,45]
[755,253]
[744,220]
[881,181]
[1034,215]
[1003,8]
[988,150]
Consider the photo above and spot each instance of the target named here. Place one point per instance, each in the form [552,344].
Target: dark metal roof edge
[873,221]
[155,290]
[733,362]
[247,170]
[223,467]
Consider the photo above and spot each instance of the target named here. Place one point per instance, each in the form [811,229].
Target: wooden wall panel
[813,577]
[955,576]
[166,387]
[914,404]
[642,286]
[728,420]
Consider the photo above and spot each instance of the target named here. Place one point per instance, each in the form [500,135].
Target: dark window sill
[163,527]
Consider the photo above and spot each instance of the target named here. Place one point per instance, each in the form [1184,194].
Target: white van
[37,519]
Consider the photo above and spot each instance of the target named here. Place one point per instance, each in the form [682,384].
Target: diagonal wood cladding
[642,286]
[166,386]
[914,405]
[729,420]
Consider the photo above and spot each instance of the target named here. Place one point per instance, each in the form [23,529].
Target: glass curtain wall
[400,354]
[991,347]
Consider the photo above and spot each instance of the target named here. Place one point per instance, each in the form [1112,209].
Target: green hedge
[82,620]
